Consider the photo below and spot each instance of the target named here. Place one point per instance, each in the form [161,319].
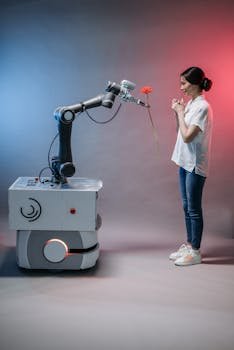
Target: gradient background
[60,52]
[57,52]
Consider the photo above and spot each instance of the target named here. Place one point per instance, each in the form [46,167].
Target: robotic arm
[62,165]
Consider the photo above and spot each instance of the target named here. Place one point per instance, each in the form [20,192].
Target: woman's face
[188,88]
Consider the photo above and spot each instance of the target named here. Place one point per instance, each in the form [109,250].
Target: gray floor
[134,298]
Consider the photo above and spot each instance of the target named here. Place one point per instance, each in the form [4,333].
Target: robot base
[56,224]
[56,250]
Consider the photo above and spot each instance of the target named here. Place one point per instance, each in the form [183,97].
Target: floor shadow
[221,255]
[218,260]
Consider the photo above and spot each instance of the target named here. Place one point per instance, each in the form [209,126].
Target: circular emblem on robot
[33,211]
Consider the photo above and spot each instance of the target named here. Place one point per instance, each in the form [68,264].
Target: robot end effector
[67,114]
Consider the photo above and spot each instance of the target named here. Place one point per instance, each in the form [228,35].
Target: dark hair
[196,76]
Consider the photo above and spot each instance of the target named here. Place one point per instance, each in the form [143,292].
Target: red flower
[146,90]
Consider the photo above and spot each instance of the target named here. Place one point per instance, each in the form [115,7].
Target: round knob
[55,250]
[68,116]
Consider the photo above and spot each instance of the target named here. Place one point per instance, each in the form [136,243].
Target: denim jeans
[191,186]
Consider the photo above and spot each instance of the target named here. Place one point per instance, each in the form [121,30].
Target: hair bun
[206,84]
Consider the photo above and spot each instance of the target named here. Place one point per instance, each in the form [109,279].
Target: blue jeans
[191,187]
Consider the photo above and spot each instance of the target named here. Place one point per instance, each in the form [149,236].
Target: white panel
[89,259]
[22,248]
[89,238]
[46,207]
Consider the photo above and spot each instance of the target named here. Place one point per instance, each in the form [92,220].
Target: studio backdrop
[57,52]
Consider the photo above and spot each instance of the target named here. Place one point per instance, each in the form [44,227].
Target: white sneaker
[183,249]
[191,258]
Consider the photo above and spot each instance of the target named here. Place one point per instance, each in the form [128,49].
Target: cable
[39,176]
[106,121]
[48,157]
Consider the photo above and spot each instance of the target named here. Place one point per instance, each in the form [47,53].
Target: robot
[56,218]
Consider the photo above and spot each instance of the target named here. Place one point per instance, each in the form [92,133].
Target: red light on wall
[73,211]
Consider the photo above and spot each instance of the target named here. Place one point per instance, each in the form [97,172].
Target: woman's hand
[187,133]
[178,105]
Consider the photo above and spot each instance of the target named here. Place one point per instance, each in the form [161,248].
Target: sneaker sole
[188,264]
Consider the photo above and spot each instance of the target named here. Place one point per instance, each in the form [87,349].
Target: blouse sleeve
[200,117]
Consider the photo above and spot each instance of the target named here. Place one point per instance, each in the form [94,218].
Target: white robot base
[56,250]
[56,224]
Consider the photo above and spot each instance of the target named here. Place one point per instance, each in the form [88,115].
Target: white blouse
[196,153]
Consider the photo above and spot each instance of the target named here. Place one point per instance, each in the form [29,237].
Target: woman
[191,154]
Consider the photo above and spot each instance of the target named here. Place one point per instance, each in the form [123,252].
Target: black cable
[39,176]
[106,121]
[48,156]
